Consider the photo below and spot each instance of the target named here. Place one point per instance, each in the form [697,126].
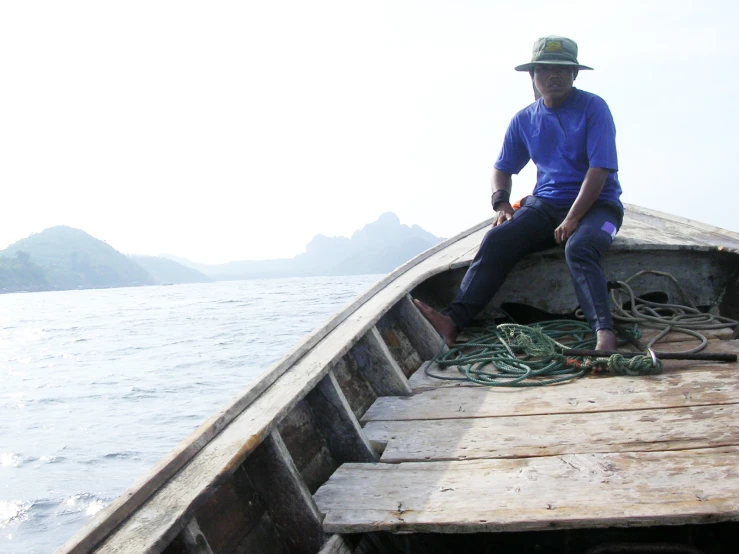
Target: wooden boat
[345,446]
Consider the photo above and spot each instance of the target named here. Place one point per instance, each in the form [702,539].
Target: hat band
[551,56]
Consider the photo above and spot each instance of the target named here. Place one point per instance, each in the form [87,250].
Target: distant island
[63,258]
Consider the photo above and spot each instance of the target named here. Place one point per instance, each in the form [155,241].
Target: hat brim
[531,65]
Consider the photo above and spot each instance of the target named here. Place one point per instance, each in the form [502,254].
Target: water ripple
[97,386]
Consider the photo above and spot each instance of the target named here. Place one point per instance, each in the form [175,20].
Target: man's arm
[502,184]
[593,183]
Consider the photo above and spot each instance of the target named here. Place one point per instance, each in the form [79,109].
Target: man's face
[554,81]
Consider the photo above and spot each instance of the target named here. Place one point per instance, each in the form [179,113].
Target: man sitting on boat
[571,137]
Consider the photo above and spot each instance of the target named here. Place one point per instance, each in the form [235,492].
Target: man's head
[553,67]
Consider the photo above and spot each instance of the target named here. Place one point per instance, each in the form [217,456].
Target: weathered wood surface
[644,227]
[378,366]
[307,446]
[711,385]
[398,344]
[595,452]
[344,435]
[358,391]
[421,381]
[424,338]
[549,435]
[167,510]
[231,514]
[290,505]
[553,492]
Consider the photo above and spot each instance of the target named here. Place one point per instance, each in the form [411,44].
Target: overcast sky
[221,130]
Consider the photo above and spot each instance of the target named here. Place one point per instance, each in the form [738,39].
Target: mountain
[63,258]
[164,270]
[378,247]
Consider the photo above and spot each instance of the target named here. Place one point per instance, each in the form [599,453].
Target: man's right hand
[503,214]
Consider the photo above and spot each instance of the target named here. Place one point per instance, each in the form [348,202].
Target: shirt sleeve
[601,137]
[514,155]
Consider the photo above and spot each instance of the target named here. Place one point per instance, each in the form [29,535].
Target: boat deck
[601,451]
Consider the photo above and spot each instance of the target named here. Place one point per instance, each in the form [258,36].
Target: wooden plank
[319,469]
[359,393]
[698,387]
[549,435]
[351,321]
[398,344]
[424,338]
[644,224]
[554,492]
[307,446]
[378,366]
[231,513]
[301,435]
[336,420]
[290,505]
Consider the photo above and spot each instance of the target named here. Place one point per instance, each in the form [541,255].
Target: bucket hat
[553,50]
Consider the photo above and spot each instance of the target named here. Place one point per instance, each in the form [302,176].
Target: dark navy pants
[530,230]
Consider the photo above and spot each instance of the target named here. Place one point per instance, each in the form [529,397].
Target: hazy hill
[68,259]
[378,247]
[18,272]
[62,258]
[164,270]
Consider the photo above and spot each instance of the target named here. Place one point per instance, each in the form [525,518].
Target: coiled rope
[669,318]
[532,356]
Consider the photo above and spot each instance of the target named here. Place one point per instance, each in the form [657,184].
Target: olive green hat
[553,50]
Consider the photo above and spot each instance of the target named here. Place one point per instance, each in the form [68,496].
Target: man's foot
[443,324]
[606,340]
[606,343]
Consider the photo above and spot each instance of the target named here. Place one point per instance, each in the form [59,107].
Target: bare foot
[606,340]
[443,324]
[606,343]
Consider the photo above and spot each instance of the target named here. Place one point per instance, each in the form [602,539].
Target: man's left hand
[565,230]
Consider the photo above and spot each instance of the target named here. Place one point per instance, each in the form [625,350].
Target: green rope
[531,356]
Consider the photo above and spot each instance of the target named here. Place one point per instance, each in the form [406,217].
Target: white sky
[222,130]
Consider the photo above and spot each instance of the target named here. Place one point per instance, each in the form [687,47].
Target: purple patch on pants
[609,228]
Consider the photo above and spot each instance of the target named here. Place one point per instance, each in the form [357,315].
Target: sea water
[96,386]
